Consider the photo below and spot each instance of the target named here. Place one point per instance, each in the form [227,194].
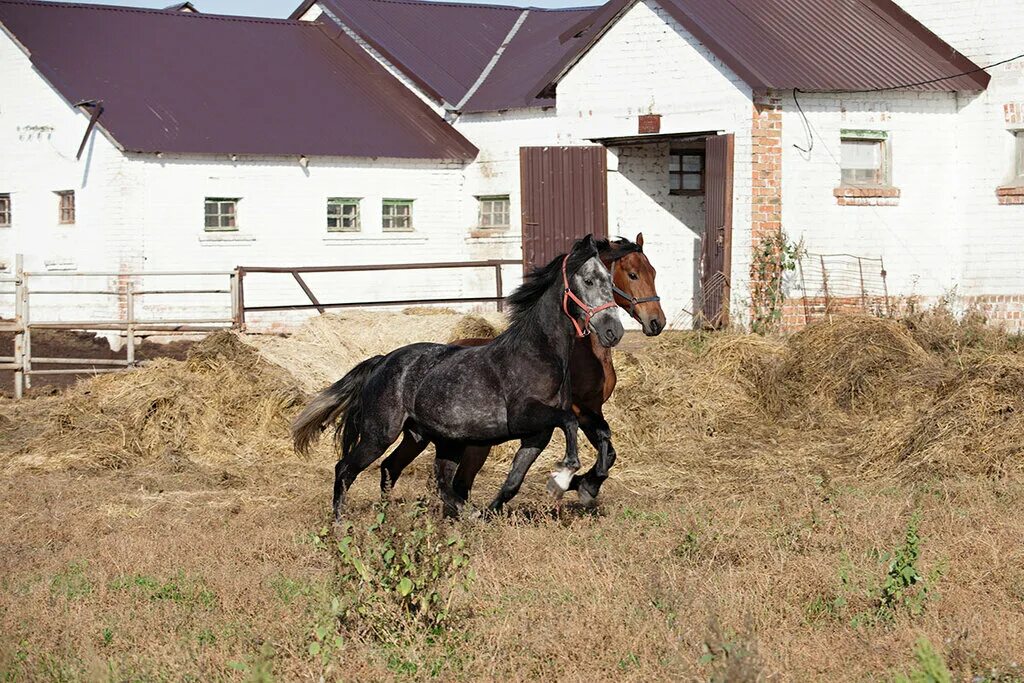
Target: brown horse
[593,381]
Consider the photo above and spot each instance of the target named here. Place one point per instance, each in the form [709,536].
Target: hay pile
[222,405]
[329,345]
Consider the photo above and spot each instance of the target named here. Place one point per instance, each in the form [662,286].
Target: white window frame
[340,217]
[65,210]
[226,222]
[876,137]
[391,217]
[6,210]
[489,219]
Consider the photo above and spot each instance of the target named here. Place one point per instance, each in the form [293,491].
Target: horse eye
[634,276]
[588,282]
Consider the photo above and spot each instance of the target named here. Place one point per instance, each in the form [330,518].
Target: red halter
[588,312]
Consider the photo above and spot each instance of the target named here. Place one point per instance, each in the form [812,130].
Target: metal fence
[128,293]
[842,283]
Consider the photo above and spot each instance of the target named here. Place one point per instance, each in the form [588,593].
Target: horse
[516,387]
[593,381]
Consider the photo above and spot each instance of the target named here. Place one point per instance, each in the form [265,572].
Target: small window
[865,159]
[494,213]
[5,210]
[397,215]
[342,214]
[221,214]
[66,207]
[686,171]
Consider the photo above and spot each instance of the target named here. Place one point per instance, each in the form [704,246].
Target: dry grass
[744,535]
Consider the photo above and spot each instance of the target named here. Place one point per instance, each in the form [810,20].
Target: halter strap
[633,301]
[588,311]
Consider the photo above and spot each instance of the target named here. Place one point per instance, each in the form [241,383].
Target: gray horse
[515,388]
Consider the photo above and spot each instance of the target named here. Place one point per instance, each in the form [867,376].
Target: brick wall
[766,166]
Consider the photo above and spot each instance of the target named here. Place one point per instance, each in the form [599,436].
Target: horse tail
[340,404]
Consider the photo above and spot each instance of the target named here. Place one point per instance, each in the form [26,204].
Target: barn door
[716,244]
[565,196]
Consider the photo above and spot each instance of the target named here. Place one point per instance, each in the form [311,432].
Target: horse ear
[640,240]
[586,245]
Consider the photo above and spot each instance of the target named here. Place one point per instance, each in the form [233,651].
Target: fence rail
[314,303]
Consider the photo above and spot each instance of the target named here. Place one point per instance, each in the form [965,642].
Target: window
[494,213]
[342,214]
[865,159]
[5,210]
[66,207]
[686,171]
[397,215]
[221,213]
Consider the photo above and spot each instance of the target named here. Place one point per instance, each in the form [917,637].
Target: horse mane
[616,249]
[524,299]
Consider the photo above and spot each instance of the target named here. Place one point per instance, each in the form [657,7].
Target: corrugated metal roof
[185,82]
[527,58]
[444,47]
[846,45]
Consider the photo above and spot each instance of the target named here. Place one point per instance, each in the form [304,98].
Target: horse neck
[546,329]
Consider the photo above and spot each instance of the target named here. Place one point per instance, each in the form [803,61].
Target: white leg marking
[562,478]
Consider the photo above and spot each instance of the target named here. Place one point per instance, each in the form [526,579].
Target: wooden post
[824,285]
[233,288]
[863,289]
[19,334]
[241,298]
[26,344]
[129,294]
[497,282]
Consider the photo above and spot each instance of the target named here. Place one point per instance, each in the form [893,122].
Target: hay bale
[854,363]
[472,327]
[221,405]
[939,331]
[975,425]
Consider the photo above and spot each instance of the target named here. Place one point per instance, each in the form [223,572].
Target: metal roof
[183,82]
[528,57]
[824,45]
[443,47]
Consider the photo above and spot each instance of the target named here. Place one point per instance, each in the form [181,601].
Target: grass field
[846,504]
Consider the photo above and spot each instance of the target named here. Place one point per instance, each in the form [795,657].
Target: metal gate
[564,197]
[716,245]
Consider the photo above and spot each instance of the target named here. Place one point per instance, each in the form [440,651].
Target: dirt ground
[829,531]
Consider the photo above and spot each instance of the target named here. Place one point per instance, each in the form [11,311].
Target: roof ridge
[478,5]
[158,11]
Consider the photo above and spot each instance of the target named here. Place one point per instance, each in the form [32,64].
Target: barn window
[66,207]
[5,210]
[686,171]
[865,158]
[221,213]
[494,212]
[397,215]
[342,214]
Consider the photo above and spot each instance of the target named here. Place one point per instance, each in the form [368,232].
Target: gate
[716,245]
[564,197]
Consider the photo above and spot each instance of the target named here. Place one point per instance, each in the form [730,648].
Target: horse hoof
[586,500]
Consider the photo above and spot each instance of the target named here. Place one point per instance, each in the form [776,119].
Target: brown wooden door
[564,197]
[716,244]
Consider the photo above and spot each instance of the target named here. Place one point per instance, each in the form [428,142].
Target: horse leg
[560,479]
[391,469]
[374,438]
[599,434]
[529,449]
[449,453]
[473,458]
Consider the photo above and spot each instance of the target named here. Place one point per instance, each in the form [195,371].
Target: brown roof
[823,45]
[185,82]
[445,47]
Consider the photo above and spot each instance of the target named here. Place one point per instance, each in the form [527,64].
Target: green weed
[931,668]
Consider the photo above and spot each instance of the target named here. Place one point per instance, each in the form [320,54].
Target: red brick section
[1010,195]
[1013,112]
[766,205]
[649,123]
[866,196]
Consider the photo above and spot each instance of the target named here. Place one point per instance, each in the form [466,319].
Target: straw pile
[222,405]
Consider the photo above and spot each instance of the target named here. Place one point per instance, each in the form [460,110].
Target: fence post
[497,281]
[824,286]
[19,334]
[129,301]
[233,288]
[26,344]
[240,292]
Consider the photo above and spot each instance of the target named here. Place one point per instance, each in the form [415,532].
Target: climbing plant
[774,256]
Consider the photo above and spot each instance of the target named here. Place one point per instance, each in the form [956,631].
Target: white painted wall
[918,238]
